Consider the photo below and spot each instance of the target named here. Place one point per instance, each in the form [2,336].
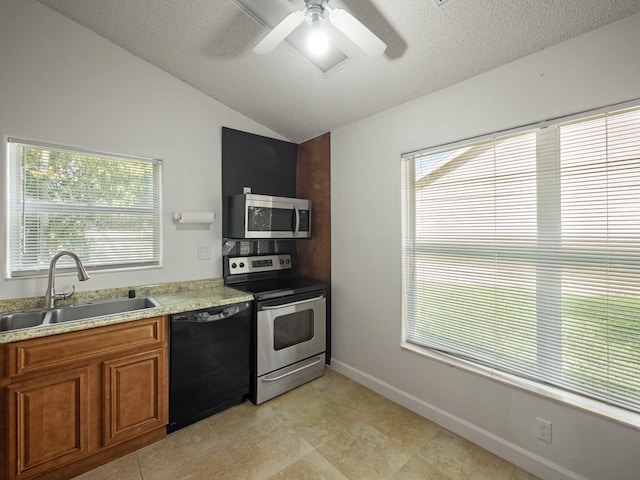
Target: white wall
[63,84]
[595,69]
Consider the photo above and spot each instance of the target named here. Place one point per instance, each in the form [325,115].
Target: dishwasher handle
[210,315]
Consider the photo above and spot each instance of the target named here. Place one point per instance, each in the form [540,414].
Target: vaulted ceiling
[208,44]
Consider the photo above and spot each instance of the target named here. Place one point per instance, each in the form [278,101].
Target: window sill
[573,400]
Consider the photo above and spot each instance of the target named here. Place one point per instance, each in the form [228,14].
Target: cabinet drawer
[44,353]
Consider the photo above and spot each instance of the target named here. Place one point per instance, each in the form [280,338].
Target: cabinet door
[136,395]
[47,422]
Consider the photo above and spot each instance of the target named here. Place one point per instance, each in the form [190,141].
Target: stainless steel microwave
[251,215]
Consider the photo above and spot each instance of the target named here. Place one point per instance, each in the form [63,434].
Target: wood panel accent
[42,353]
[134,402]
[314,183]
[48,422]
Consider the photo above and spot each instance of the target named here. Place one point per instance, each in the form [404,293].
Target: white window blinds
[522,253]
[104,208]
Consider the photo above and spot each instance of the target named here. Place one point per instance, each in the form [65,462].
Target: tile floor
[331,428]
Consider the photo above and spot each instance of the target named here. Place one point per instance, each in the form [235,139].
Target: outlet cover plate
[204,252]
[543,430]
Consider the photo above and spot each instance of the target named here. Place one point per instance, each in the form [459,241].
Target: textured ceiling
[208,44]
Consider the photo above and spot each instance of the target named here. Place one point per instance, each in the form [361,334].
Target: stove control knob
[288,261]
[241,265]
[233,265]
[281,262]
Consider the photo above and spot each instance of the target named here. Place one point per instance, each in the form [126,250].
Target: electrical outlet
[245,248]
[543,430]
[204,252]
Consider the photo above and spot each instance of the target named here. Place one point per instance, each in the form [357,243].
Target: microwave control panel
[304,221]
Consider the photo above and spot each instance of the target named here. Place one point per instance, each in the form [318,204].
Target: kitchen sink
[82,311]
[23,319]
[101,308]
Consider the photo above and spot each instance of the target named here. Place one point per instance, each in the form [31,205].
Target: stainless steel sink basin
[23,319]
[82,311]
[101,308]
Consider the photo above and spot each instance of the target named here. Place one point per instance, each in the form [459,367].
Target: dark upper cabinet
[265,164]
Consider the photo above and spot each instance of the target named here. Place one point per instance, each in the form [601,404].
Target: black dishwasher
[209,362]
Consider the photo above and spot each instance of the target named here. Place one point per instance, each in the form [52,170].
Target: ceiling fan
[315,12]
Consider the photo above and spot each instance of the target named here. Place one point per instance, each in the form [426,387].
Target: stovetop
[267,276]
[279,287]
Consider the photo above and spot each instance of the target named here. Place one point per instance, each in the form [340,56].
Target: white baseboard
[524,459]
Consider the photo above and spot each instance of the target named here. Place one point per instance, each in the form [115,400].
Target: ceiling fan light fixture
[318,42]
[314,13]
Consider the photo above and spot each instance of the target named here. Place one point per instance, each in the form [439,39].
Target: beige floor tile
[227,425]
[266,448]
[329,378]
[410,430]
[124,468]
[203,467]
[312,466]
[370,406]
[520,474]
[418,469]
[365,404]
[318,419]
[178,448]
[348,393]
[331,428]
[362,452]
[459,458]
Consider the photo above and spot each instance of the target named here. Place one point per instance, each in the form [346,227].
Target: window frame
[15,170]
[408,207]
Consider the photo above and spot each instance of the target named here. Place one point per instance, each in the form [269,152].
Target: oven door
[289,330]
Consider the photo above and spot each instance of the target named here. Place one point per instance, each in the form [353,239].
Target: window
[522,253]
[104,208]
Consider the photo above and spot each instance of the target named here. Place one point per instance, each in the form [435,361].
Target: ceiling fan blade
[357,32]
[272,39]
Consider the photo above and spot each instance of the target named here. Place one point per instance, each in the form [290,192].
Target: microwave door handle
[296,213]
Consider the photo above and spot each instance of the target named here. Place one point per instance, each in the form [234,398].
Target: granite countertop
[174,297]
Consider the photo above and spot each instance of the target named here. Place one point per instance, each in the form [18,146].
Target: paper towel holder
[194,217]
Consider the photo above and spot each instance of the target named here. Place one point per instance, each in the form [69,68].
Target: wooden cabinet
[76,400]
[133,388]
[47,421]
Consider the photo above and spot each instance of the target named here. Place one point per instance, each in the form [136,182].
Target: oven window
[292,329]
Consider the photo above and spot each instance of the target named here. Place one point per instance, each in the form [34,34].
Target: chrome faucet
[50,295]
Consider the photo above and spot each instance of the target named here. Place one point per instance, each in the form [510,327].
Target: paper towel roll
[194,217]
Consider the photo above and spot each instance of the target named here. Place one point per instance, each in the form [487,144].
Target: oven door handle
[308,300]
[279,377]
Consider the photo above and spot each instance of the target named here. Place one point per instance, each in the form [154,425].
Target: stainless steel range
[289,328]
